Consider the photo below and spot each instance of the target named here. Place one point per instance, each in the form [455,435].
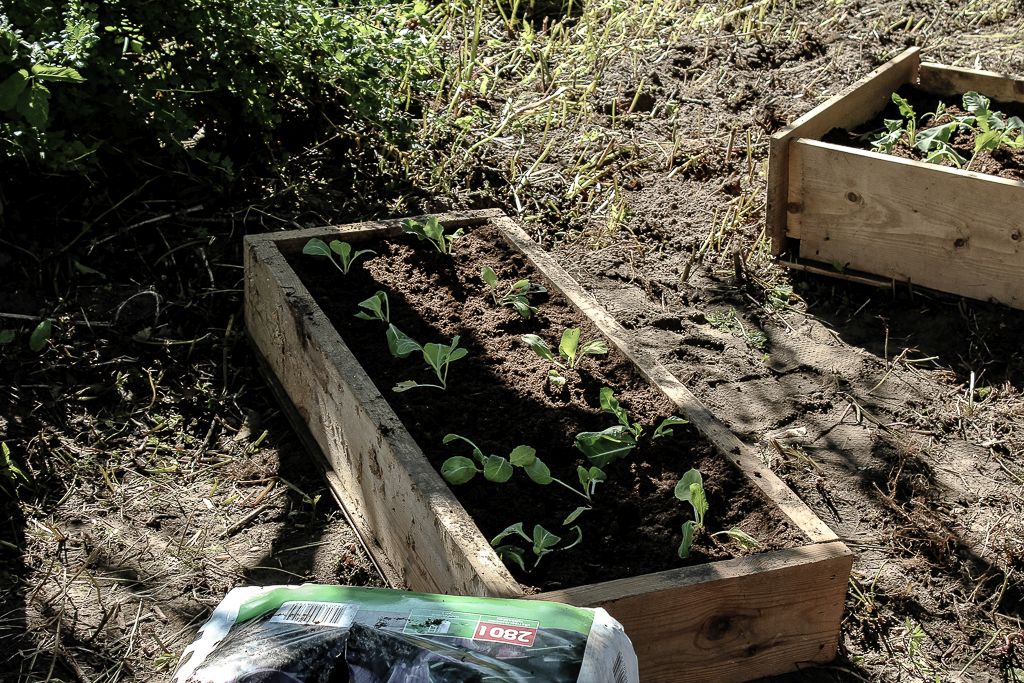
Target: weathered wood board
[836,210]
[725,621]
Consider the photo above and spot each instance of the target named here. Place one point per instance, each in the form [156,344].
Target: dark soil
[1002,161]
[499,398]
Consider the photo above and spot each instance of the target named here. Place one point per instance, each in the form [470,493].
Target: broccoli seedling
[570,352]
[432,231]
[993,128]
[459,470]
[515,296]
[437,356]
[543,543]
[378,308]
[690,489]
[615,443]
[317,247]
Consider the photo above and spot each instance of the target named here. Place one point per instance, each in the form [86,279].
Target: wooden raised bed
[892,220]
[730,620]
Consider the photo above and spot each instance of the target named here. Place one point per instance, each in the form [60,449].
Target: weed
[727,321]
[515,296]
[432,231]
[10,473]
[346,256]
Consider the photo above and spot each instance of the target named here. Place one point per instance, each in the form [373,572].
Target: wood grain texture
[951,230]
[724,621]
[729,621]
[952,81]
[859,104]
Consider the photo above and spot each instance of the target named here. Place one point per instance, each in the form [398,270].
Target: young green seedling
[459,470]
[378,308]
[433,232]
[515,296]
[437,356]
[317,247]
[543,543]
[570,352]
[932,141]
[615,443]
[690,489]
[993,128]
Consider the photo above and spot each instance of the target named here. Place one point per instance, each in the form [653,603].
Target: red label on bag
[504,633]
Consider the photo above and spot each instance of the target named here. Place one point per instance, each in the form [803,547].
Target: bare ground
[897,416]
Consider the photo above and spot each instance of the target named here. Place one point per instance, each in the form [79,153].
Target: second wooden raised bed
[881,219]
[730,620]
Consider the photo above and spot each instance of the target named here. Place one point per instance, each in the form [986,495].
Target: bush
[203,88]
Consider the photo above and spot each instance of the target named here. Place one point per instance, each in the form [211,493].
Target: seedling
[437,356]
[934,141]
[615,443]
[10,474]
[433,232]
[515,296]
[570,352]
[346,256]
[378,308]
[543,543]
[690,489]
[459,470]
[993,128]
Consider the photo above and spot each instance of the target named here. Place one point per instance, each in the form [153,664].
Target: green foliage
[432,231]
[614,443]
[437,356]
[378,308]
[202,86]
[11,476]
[570,352]
[690,489]
[40,336]
[543,542]
[515,296]
[346,256]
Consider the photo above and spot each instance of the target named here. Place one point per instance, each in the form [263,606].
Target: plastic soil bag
[337,634]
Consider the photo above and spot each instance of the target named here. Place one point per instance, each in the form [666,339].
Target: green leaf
[690,489]
[523,456]
[511,553]
[7,336]
[988,140]
[11,89]
[58,74]
[610,404]
[521,306]
[342,249]
[554,378]
[516,528]
[665,428]
[34,105]
[377,305]
[404,386]
[741,537]
[574,515]
[543,540]
[400,344]
[594,348]
[316,247]
[906,111]
[689,526]
[489,277]
[567,346]
[538,472]
[458,470]
[496,469]
[539,347]
[606,446]
[974,103]
[40,335]
[931,138]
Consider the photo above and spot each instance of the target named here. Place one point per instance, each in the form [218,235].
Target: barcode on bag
[315,614]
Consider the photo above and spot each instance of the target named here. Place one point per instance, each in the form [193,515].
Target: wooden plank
[952,230]
[859,104]
[952,81]
[397,499]
[689,405]
[729,621]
